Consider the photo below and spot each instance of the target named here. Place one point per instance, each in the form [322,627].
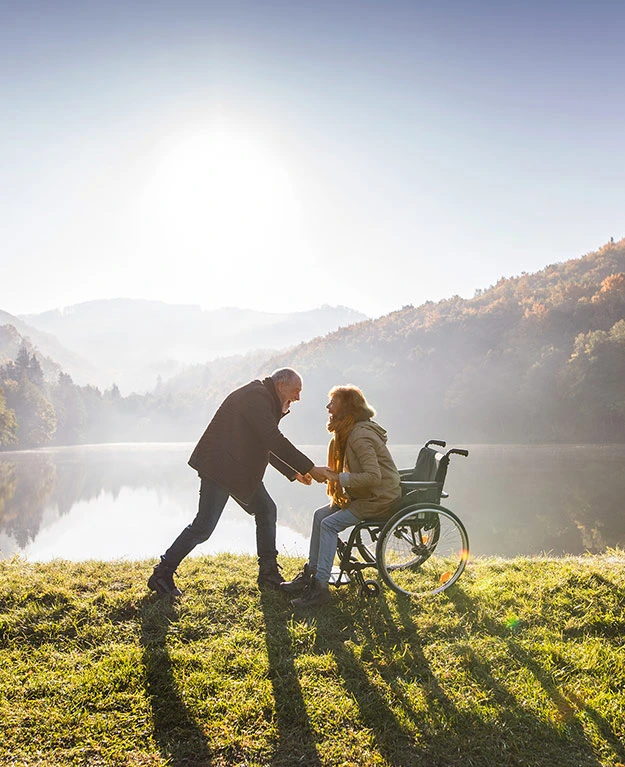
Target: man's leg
[264,510]
[212,502]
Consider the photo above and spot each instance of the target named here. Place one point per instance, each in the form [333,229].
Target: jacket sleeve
[281,466]
[370,474]
[261,420]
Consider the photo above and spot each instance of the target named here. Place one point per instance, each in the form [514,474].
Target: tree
[8,424]
[22,363]
[35,373]
[35,414]
[71,412]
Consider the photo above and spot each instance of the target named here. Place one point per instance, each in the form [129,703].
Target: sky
[283,155]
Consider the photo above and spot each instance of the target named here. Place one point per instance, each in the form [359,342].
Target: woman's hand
[320,473]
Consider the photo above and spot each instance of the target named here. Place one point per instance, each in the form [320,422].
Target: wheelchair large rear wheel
[422,550]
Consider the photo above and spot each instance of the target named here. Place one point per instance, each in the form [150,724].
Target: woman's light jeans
[328,522]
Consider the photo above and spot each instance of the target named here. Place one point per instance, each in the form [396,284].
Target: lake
[131,500]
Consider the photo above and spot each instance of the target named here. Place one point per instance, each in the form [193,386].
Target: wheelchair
[422,548]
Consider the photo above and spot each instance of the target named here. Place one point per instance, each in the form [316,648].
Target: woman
[363,484]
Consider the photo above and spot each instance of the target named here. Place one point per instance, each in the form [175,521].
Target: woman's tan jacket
[370,478]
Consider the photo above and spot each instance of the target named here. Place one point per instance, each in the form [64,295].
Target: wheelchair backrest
[431,466]
[425,481]
[426,465]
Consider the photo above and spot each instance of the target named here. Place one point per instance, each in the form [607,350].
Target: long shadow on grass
[402,735]
[574,741]
[296,740]
[341,628]
[504,731]
[406,706]
[179,738]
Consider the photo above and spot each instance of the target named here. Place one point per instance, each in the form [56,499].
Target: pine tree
[22,363]
[8,424]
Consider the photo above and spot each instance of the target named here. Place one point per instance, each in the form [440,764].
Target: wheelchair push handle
[458,451]
[438,442]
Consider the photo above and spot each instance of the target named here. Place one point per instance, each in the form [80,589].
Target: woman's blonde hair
[353,401]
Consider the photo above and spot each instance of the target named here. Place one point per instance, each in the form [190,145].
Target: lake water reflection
[129,501]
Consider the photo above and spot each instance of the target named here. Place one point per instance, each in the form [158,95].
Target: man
[231,458]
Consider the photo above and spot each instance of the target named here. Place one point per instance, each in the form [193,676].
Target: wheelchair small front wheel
[422,550]
[369,588]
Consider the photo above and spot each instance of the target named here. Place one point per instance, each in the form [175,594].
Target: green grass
[521,663]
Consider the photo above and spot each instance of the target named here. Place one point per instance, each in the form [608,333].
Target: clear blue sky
[282,155]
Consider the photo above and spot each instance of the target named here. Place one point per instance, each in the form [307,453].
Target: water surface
[131,500]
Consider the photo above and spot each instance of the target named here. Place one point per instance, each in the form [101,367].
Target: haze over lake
[130,500]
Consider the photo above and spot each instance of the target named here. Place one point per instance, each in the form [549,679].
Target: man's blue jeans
[212,501]
[328,522]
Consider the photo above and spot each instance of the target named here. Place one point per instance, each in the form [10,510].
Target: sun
[219,192]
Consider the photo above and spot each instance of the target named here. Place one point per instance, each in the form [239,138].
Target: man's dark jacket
[242,438]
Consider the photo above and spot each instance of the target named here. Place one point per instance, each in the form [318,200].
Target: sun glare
[217,193]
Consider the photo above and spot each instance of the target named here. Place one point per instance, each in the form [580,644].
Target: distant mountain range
[133,343]
[534,358]
[52,355]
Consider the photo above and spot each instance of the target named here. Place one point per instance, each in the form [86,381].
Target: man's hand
[320,473]
[305,479]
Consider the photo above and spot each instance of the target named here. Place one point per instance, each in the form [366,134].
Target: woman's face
[334,407]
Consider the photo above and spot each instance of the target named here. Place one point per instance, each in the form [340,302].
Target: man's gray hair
[285,375]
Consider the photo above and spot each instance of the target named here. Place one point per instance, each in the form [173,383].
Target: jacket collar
[271,387]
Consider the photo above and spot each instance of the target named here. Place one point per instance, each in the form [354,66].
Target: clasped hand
[318,473]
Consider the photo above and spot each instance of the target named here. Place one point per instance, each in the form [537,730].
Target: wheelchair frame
[421,548]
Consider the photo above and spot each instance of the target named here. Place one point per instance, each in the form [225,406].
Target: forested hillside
[535,358]
[539,357]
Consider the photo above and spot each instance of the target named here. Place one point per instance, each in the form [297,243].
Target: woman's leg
[330,527]
[315,533]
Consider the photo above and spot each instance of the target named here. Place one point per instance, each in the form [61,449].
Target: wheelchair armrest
[415,485]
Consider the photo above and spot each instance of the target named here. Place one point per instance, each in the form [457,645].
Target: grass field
[522,662]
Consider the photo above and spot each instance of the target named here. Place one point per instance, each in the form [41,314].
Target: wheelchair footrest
[338,578]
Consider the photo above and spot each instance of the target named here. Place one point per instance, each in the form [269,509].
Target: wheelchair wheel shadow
[296,739]
[180,739]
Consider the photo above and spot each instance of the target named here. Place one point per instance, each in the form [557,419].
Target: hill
[133,343]
[53,355]
[538,357]
[534,358]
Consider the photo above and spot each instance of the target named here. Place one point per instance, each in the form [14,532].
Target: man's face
[289,391]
